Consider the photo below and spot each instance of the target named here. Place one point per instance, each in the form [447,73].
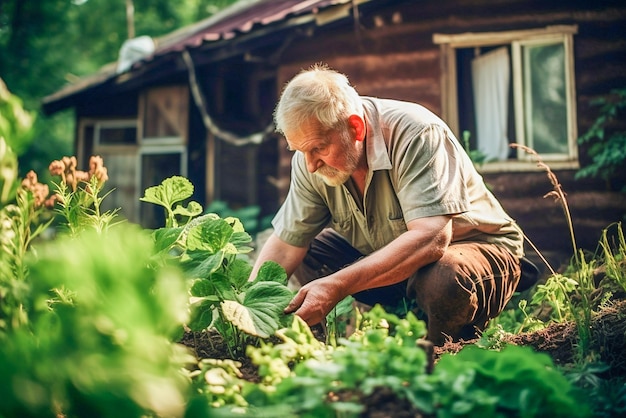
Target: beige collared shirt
[417,168]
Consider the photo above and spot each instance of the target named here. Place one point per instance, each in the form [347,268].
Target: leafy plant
[306,378]
[512,382]
[169,194]
[22,220]
[15,121]
[104,350]
[607,146]
[571,292]
[208,249]
[614,255]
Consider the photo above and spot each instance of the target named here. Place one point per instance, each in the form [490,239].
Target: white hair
[320,93]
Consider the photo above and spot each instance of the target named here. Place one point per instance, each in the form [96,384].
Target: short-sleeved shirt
[416,169]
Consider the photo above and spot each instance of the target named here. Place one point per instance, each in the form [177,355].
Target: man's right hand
[315,300]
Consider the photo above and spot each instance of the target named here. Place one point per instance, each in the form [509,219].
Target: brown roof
[242,17]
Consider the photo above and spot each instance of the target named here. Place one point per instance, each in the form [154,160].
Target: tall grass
[560,291]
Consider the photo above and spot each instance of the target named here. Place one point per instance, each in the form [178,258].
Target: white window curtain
[491,75]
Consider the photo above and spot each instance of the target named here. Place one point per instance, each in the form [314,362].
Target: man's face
[333,156]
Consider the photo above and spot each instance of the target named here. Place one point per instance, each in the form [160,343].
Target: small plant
[607,146]
[573,292]
[209,249]
[105,349]
[478,157]
[23,218]
[512,382]
[614,256]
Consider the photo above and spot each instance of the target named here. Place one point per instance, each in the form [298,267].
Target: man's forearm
[396,261]
[274,249]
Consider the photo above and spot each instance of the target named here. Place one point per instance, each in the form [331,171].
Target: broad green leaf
[262,311]
[201,314]
[223,286]
[211,235]
[202,288]
[200,264]
[239,272]
[239,239]
[271,271]
[170,191]
[193,209]
[235,224]
[242,318]
[164,238]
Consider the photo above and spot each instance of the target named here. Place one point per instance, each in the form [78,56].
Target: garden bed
[558,340]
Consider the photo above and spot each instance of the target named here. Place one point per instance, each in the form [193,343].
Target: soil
[608,331]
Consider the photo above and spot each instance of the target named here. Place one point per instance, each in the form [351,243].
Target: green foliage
[614,255]
[337,319]
[104,349]
[477,156]
[15,121]
[170,192]
[512,382]
[310,378]
[607,145]
[8,173]
[208,249]
[81,208]
[20,225]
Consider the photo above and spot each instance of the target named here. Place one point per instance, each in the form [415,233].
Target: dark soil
[559,341]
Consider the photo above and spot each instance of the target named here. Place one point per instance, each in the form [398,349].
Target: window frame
[157,149]
[516,39]
[122,123]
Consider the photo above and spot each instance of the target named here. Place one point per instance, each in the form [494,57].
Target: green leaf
[164,238]
[201,314]
[223,286]
[211,235]
[262,311]
[239,272]
[271,271]
[239,239]
[200,264]
[202,288]
[193,209]
[171,190]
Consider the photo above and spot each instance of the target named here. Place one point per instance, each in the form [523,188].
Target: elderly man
[385,204]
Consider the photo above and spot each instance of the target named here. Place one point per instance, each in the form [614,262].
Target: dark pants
[457,295]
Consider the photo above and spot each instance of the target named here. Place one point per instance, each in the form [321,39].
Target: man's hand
[315,300]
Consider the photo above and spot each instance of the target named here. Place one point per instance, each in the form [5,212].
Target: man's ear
[358,124]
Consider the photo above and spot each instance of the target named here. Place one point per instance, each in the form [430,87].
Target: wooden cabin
[198,102]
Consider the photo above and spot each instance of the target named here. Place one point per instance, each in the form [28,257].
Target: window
[116,132]
[141,151]
[115,140]
[506,87]
[158,163]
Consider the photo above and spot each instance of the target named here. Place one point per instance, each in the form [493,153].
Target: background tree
[46,44]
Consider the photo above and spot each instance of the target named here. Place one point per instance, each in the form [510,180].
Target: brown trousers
[456,296]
